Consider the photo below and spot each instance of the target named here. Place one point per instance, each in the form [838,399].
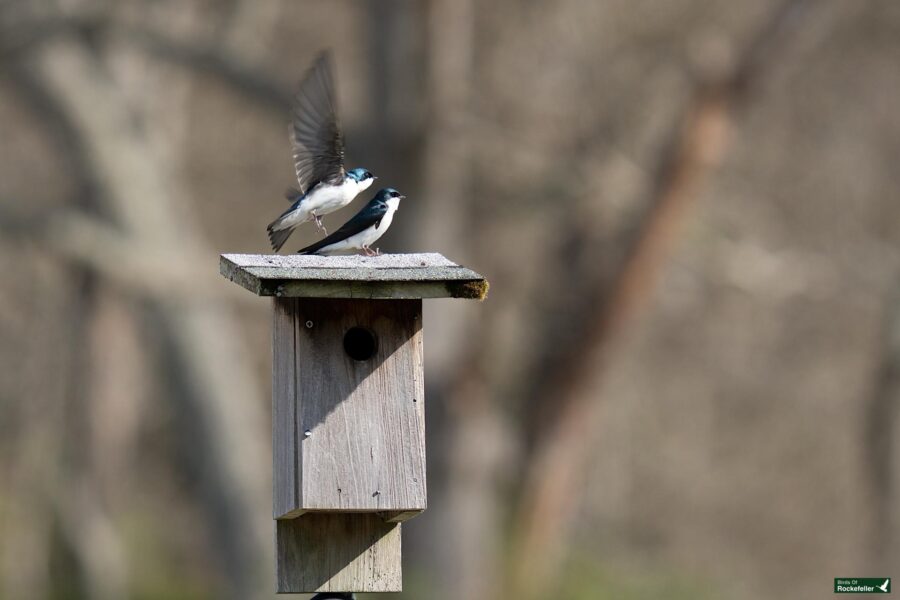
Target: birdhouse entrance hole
[360,343]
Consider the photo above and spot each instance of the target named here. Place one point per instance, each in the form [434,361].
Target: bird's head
[390,196]
[362,177]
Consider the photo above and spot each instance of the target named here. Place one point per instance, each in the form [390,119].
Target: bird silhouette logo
[886,586]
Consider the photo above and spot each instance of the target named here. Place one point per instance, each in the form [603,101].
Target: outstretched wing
[314,130]
[370,215]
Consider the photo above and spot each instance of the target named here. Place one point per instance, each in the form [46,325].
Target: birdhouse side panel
[285,437]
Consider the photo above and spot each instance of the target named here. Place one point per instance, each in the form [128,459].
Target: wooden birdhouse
[348,420]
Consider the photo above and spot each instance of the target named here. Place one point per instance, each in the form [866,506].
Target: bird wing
[370,215]
[314,131]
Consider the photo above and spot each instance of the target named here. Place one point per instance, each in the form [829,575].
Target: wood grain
[348,435]
[337,552]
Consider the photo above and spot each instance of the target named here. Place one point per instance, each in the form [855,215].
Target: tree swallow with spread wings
[364,229]
[318,145]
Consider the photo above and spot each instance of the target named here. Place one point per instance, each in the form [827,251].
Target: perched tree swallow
[364,229]
[318,157]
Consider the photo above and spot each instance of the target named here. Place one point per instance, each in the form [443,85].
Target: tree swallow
[318,145]
[363,229]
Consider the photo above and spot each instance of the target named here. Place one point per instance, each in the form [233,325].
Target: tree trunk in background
[882,455]
[444,225]
[551,492]
[469,520]
[40,425]
[149,207]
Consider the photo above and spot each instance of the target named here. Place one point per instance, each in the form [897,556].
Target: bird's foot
[368,251]
[319,224]
[377,251]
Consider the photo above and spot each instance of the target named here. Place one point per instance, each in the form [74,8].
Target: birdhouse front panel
[349,420]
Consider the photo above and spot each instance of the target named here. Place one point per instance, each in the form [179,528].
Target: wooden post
[348,407]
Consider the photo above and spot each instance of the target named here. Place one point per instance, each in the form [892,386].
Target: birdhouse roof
[389,276]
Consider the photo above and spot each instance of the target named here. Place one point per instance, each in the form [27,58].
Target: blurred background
[684,383]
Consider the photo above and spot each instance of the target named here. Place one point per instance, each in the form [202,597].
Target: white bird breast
[329,198]
[324,200]
[367,236]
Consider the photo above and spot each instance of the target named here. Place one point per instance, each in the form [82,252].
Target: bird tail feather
[313,248]
[277,237]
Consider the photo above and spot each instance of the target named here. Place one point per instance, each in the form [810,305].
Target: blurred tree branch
[251,80]
[553,474]
[89,241]
[75,509]
[71,80]
[20,39]
[203,338]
